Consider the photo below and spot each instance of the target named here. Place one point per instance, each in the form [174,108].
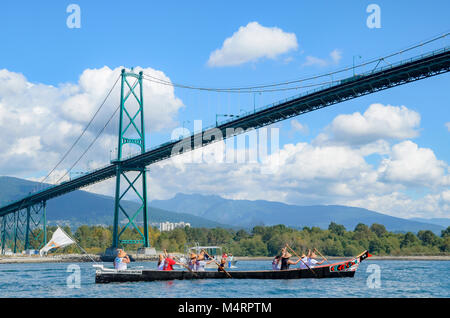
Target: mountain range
[81,207]
[247,213]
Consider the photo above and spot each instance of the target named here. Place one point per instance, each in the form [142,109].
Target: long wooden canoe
[336,270]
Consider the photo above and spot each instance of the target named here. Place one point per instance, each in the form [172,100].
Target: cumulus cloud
[328,173]
[401,205]
[39,122]
[252,42]
[310,174]
[334,58]
[412,165]
[376,123]
[447,125]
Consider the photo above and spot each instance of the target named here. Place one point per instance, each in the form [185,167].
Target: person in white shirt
[276,263]
[200,263]
[310,260]
[230,259]
[121,261]
[193,262]
[161,262]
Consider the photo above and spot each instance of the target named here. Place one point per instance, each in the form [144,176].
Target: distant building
[169,226]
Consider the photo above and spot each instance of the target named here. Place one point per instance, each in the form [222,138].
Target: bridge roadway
[426,65]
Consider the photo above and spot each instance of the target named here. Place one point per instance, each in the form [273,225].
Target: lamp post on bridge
[358,56]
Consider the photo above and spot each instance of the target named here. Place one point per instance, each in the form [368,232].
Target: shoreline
[77,258]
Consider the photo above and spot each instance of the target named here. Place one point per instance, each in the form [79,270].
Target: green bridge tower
[130,181]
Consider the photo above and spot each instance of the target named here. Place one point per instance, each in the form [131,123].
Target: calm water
[398,279]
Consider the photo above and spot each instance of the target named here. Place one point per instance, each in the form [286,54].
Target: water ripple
[398,279]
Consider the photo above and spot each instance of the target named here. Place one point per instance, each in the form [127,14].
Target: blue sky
[178,38]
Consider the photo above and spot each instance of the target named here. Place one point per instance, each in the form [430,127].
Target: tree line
[268,240]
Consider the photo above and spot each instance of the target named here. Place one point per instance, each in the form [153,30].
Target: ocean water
[397,279]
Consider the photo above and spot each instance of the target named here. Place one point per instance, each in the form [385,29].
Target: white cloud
[310,174]
[328,173]
[377,122]
[335,57]
[252,42]
[312,60]
[297,126]
[447,125]
[401,205]
[39,122]
[411,165]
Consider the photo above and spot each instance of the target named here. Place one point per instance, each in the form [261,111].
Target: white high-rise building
[169,226]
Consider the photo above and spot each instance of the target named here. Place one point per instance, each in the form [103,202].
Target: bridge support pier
[23,229]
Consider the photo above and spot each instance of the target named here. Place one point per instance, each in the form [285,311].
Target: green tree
[428,237]
[241,234]
[409,240]
[445,246]
[378,229]
[253,247]
[333,248]
[337,229]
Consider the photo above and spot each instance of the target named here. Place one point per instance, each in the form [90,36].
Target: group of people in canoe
[198,262]
[283,261]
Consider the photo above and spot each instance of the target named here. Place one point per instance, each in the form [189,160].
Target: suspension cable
[93,141]
[284,83]
[82,133]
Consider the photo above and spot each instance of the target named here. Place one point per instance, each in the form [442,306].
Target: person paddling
[161,261]
[193,262]
[276,263]
[311,259]
[221,267]
[169,262]
[285,259]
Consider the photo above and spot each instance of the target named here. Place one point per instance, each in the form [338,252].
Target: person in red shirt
[169,262]
[168,265]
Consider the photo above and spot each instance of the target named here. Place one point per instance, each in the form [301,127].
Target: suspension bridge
[23,222]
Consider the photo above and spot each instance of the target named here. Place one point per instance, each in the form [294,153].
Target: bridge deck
[431,64]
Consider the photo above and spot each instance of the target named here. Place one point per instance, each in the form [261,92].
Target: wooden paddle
[185,266]
[301,259]
[228,274]
[321,255]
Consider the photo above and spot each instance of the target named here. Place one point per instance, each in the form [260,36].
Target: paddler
[221,267]
[200,262]
[285,259]
[193,262]
[161,260]
[276,263]
[311,259]
[169,262]
[304,261]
